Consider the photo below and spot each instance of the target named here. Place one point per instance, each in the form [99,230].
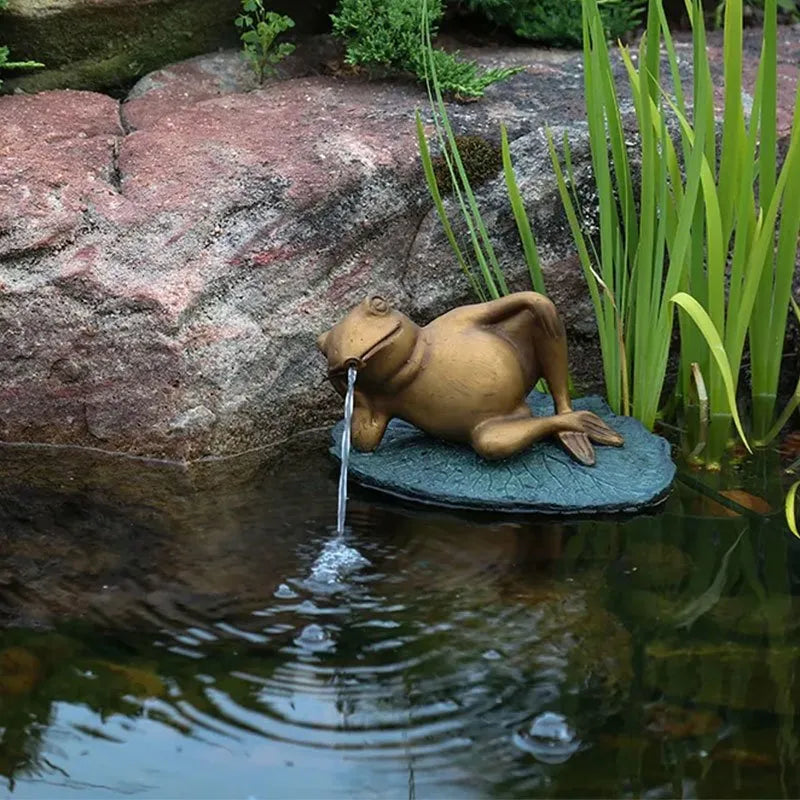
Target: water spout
[345,452]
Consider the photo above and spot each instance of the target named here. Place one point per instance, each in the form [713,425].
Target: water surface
[203,632]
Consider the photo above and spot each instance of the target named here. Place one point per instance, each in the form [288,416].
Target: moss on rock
[481,158]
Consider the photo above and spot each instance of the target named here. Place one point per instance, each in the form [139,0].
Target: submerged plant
[259,29]
[385,33]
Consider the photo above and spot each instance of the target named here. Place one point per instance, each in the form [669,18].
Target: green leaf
[791,516]
[605,327]
[479,237]
[433,188]
[701,319]
[521,217]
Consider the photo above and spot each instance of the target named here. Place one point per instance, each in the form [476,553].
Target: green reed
[675,229]
[719,244]
[744,281]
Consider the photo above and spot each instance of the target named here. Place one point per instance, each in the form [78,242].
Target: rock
[542,479]
[166,263]
[86,44]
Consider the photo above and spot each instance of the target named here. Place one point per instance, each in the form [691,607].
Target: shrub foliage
[386,33]
[558,22]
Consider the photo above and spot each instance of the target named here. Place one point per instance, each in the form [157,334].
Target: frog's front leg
[368,425]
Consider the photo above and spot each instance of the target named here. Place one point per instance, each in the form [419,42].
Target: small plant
[259,29]
[4,55]
[385,33]
[558,22]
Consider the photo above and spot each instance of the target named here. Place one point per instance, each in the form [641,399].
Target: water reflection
[210,626]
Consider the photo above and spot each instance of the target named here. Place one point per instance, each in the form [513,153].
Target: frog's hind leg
[551,351]
[501,437]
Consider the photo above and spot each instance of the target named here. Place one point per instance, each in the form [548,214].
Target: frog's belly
[473,379]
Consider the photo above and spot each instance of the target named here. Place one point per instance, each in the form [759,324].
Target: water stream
[345,452]
[337,559]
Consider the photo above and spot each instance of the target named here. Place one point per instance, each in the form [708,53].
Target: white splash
[336,561]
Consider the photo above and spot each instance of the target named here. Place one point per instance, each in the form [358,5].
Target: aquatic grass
[488,280]
[743,280]
[719,244]
[639,263]
[494,283]
[521,217]
[703,321]
[433,187]
[790,513]
[675,230]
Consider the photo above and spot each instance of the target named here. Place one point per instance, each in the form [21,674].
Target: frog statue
[464,377]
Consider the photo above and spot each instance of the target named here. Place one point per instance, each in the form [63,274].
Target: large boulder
[166,263]
[86,44]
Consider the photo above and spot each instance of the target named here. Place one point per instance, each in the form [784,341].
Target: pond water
[201,632]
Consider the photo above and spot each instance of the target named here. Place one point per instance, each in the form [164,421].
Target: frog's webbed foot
[578,446]
[583,428]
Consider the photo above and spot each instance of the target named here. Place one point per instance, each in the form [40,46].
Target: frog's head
[374,338]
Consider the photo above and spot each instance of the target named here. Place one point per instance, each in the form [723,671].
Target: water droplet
[549,739]
[314,638]
[492,655]
[284,592]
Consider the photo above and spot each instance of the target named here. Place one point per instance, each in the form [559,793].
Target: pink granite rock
[166,265]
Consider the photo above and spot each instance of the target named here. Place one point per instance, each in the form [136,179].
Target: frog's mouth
[359,362]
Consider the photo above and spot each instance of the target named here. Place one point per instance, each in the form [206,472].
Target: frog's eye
[377,305]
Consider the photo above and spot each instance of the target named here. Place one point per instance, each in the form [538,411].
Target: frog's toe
[600,433]
[578,446]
